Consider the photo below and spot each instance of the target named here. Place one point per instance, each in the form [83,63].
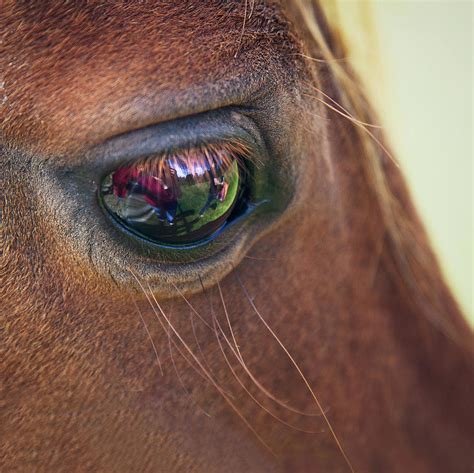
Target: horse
[313,332]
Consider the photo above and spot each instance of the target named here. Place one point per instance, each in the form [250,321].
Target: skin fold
[315,295]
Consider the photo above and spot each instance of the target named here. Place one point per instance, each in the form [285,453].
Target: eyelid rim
[229,125]
[83,179]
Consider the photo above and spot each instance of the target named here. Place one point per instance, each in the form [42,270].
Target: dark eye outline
[114,245]
[68,198]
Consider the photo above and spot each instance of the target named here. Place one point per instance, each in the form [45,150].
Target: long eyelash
[190,396]
[237,354]
[298,369]
[206,156]
[149,300]
[196,364]
[217,325]
[240,358]
[149,336]
[211,379]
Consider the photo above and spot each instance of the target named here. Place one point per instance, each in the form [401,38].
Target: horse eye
[182,198]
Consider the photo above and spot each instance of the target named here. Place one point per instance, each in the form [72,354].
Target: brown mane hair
[428,310]
[414,265]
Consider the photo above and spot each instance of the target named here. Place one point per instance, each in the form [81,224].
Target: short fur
[345,278]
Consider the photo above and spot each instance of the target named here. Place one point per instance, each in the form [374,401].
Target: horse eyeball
[177,199]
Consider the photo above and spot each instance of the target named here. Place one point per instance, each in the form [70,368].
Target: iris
[179,198]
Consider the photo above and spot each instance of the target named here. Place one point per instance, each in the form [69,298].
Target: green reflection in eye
[177,199]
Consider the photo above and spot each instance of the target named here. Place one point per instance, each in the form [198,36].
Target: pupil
[177,200]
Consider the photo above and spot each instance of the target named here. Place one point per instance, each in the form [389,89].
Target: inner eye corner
[183,197]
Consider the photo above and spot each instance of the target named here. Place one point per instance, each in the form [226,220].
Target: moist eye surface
[179,198]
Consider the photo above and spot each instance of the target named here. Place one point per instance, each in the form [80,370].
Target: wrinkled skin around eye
[175,200]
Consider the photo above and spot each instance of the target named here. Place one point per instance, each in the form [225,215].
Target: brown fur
[350,288]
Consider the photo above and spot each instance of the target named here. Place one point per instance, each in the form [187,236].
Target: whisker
[193,327]
[162,325]
[180,379]
[346,113]
[204,358]
[239,357]
[211,379]
[149,336]
[259,259]
[360,124]
[340,112]
[201,375]
[279,419]
[198,315]
[195,337]
[322,61]
[242,30]
[298,369]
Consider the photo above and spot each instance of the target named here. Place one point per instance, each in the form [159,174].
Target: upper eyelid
[217,126]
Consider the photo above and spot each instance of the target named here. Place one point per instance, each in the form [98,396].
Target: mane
[407,250]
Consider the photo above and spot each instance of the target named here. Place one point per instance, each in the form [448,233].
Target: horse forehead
[75,72]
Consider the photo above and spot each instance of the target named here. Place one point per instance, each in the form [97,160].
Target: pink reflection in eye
[178,198]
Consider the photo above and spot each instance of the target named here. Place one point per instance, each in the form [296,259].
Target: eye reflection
[177,199]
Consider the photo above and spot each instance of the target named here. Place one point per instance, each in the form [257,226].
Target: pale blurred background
[417,58]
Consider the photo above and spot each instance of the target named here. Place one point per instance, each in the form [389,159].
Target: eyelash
[222,152]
